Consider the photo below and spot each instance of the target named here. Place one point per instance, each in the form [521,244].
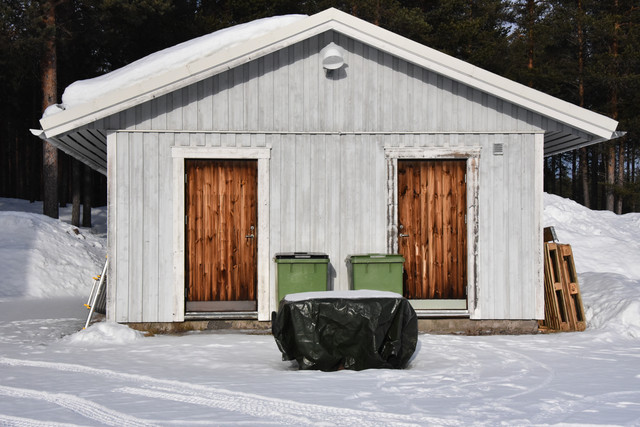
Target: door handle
[249,236]
[403,235]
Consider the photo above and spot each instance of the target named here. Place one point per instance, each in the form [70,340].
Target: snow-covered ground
[52,373]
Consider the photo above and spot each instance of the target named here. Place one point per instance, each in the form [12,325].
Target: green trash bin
[301,272]
[380,272]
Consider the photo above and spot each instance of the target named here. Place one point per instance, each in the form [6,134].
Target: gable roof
[589,127]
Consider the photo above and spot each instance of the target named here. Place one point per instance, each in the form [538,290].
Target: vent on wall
[498,149]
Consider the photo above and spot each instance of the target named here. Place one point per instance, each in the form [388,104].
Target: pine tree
[49,97]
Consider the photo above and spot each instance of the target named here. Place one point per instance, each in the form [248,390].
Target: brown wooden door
[432,230]
[221,238]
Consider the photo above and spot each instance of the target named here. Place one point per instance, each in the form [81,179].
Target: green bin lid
[301,258]
[301,255]
[375,258]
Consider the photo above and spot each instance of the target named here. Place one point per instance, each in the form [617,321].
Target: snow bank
[41,257]
[104,333]
[174,57]
[606,250]
[611,303]
[601,240]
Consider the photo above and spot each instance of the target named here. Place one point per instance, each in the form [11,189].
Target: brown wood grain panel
[432,229]
[221,208]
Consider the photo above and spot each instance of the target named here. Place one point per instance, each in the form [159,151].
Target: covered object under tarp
[346,330]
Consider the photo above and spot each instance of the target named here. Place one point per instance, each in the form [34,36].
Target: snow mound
[611,303]
[104,333]
[602,241]
[174,57]
[41,257]
[606,251]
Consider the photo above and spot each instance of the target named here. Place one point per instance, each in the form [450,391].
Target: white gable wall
[288,91]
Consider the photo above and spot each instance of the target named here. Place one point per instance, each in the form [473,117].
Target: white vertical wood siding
[289,91]
[328,171]
[140,228]
[509,240]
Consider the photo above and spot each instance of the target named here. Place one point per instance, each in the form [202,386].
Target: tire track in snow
[285,411]
[84,407]
[9,421]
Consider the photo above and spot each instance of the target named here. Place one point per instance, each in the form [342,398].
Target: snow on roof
[83,91]
[146,79]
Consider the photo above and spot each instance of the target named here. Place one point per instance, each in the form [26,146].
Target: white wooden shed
[399,149]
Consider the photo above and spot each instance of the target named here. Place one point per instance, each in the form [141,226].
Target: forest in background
[586,52]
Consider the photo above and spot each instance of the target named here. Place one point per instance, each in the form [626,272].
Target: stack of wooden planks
[562,301]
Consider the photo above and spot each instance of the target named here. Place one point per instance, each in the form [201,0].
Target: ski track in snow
[8,421]
[84,407]
[280,410]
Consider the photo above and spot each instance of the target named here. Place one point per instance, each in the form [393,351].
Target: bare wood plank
[430,212]
[222,208]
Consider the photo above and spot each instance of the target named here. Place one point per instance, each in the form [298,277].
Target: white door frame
[472,157]
[263,156]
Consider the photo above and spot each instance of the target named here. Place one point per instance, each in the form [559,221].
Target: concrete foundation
[251,326]
[430,326]
[477,327]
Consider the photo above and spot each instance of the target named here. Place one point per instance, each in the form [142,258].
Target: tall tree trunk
[49,97]
[531,10]
[76,191]
[621,141]
[610,175]
[554,180]
[574,174]
[63,179]
[620,173]
[584,174]
[86,205]
[584,168]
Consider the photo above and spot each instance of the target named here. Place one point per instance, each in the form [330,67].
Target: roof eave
[332,19]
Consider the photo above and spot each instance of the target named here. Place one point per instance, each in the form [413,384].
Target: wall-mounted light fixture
[332,57]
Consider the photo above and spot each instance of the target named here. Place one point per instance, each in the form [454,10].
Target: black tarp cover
[346,333]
